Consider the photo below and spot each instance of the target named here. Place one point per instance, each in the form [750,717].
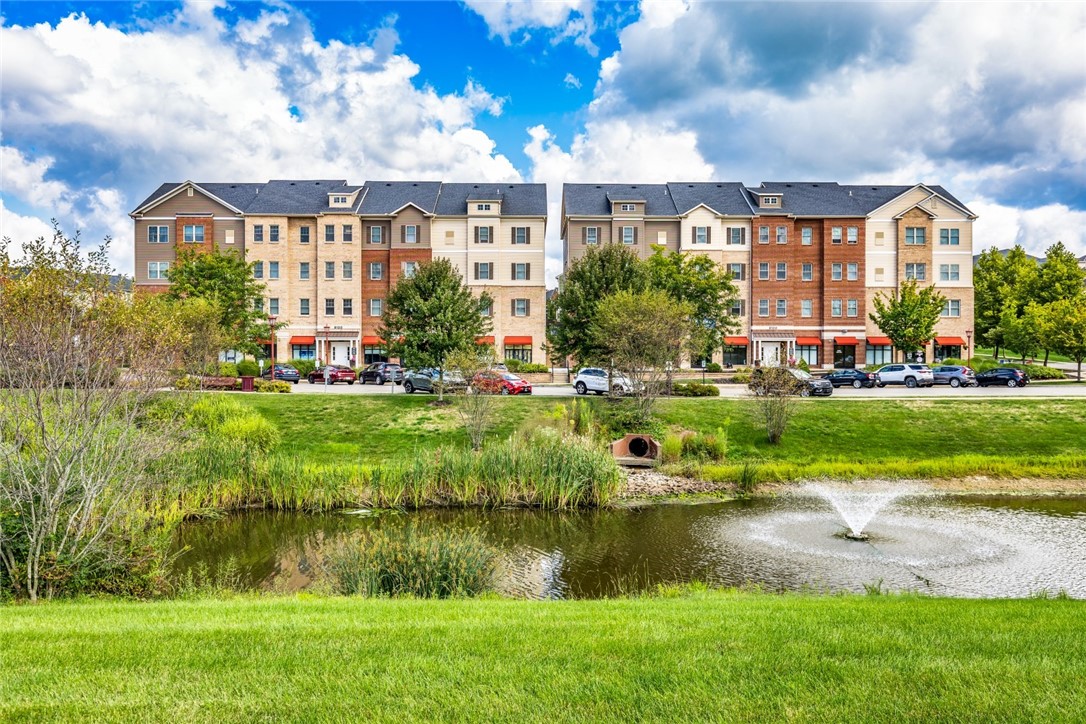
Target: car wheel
[581,388]
[857,384]
[954,382]
[295,381]
[1012,383]
[408,387]
[805,392]
[910,382]
[505,391]
[350,382]
[599,392]
[380,380]
[881,385]
[618,391]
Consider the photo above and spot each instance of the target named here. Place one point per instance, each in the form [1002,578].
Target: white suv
[910,375]
[594,379]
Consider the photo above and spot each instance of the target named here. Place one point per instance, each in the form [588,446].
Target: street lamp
[271,338]
[327,343]
[969,344]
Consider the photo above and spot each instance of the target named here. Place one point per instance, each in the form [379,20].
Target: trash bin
[247,384]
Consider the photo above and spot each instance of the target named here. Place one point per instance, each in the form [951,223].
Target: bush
[252,432]
[515,365]
[262,385]
[741,378]
[442,563]
[802,364]
[186,382]
[248,368]
[228,369]
[671,449]
[709,446]
[694,389]
[304,366]
[713,367]
[209,412]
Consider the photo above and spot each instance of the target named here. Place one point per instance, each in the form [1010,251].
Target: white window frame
[273,270]
[520,234]
[807,272]
[782,234]
[835,308]
[303,234]
[628,235]
[782,308]
[273,233]
[329,270]
[852,271]
[701,234]
[763,271]
[162,234]
[520,271]
[592,235]
[837,272]
[161,270]
[763,307]
[347,271]
[376,237]
[273,306]
[951,236]
[348,234]
[379,268]
[348,306]
[735,236]
[952,308]
[520,307]
[303,307]
[303,271]
[482,207]
[782,271]
[853,234]
[805,308]
[411,234]
[194,227]
[914,232]
[329,303]
[258,233]
[835,234]
[376,307]
[852,308]
[258,270]
[763,234]
[329,233]
[409,269]
[949,273]
[806,236]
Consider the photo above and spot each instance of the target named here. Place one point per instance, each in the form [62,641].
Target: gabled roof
[296,197]
[809,198]
[593,199]
[233,195]
[930,214]
[387,197]
[726,198]
[881,195]
[516,199]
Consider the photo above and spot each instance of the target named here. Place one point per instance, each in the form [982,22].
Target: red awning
[846,341]
[950,341]
[808,342]
[264,341]
[303,340]
[736,341]
[517,340]
[371,341]
[484,340]
[879,341]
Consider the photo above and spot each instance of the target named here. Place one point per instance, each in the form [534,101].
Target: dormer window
[771,201]
[336,200]
[482,207]
[627,207]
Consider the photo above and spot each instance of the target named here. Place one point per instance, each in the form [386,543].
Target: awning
[303,341]
[879,341]
[372,341]
[950,341]
[517,340]
[846,341]
[264,341]
[736,341]
[484,340]
[808,342]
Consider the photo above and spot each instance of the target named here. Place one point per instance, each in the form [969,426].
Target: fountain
[856,505]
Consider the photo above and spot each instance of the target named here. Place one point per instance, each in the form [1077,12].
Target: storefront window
[735,355]
[948,351]
[809,354]
[303,351]
[374,354]
[879,354]
[522,352]
[844,356]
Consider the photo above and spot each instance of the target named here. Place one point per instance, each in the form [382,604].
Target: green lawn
[1011,355]
[713,656]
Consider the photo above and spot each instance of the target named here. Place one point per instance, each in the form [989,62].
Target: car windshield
[800,374]
[510,377]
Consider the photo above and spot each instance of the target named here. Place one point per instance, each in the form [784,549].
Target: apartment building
[328,253]
[807,258]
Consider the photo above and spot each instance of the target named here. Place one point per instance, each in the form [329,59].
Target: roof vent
[874,188]
[788,186]
[317,183]
[388,184]
[599,187]
[291,183]
[719,186]
[814,186]
[475,186]
[414,184]
[690,186]
[233,186]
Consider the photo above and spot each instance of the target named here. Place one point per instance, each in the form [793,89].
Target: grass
[696,657]
[1011,355]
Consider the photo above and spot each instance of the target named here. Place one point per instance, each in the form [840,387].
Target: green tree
[1059,278]
[1022,332]
[989,276]
[600,272]
[706,286]
[1064,327]
[225,280]
[431,315]
[908,315]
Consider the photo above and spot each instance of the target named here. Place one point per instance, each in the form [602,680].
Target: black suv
[382,372]
[856,378]
[1008,376]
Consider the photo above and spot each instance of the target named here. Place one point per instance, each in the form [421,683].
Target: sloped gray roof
[593,199]
[822,198]
[516,199]
[727,198]
[385,197]
[295,197]
[238,195]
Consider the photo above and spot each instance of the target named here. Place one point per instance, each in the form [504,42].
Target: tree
[908,315]
[775,390]
[600,272]
[703,284]
[989,276]
[642,333]
[431,315]
[1066,325]
[1059,278]
[225,280]
[477,398]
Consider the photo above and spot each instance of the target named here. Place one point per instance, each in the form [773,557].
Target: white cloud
[21,228]
[567,18]
[1035,229]
[572,81]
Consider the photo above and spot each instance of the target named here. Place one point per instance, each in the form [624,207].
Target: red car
[505,383]
[339,374]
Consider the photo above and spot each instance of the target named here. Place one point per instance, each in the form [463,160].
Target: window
[375,307]
[339,199]
[835,308]
[701,234]
[853,271]
[735,237]
[329,307]
[771,200]
[948,273]
[808,272]
[914,235]
[782,307]
[520,234]
[521,271]
[591,235]
[627,207]
[409,269]
[158,235]
[522,352]
[835,235]
[918,272]
[948,237]
[258,270]
[880,273]
[806,235]
[487,311]
[273,270]
[329,232]
[303,270]
[348,270]
[763,271]
[484,270]
[805,308]
[878,354]
[482,207]
[348,233]
[158,269]
[763,234]
[782,271]
[258,233]
[952,308]
[853,308]
[273,233]
[763,307]
[329,270]
[629,235]
[836,271]
[782,234]
[737,308]
[273,306]
[520,307]
[853,235]
[303,307]
[376,270]
[303,233]
[411,234]
[737,271]
[194,234]
[808,353]
[258,305]
[375,234]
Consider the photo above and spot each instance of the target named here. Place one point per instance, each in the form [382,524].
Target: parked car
[505,383]
[594,379]
[856,378]
[426,380]
[806,383]
[954,375]
[285,373]
[382,372]
[910,375]
[338,373]
[1008,376]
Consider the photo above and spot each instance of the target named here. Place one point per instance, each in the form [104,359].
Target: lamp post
[271,338]
[969,345]
[327,343]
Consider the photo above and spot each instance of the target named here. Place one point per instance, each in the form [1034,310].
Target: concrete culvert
[637,450]
[639,447]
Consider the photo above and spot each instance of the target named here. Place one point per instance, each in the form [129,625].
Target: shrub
[186,382]
[708,446]
[304,366]
[802,364]
[253,432]
[248,368]
[671,449]
[713,367]
[694,389]
[262,385]
[442,563]
[209,412]
[741,378]
[227,369]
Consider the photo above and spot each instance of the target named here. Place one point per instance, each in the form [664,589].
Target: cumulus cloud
[570,19]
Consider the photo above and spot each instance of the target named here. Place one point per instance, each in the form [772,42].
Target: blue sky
[102,101]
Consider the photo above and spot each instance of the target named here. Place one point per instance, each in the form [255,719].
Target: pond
[974,546]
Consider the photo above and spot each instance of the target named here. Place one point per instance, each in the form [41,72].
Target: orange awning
[950,341]
[517,340]
[372,340]
[846,341]
[303,340]
[808,342]
[484,340]
[736,341]
[879,341]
